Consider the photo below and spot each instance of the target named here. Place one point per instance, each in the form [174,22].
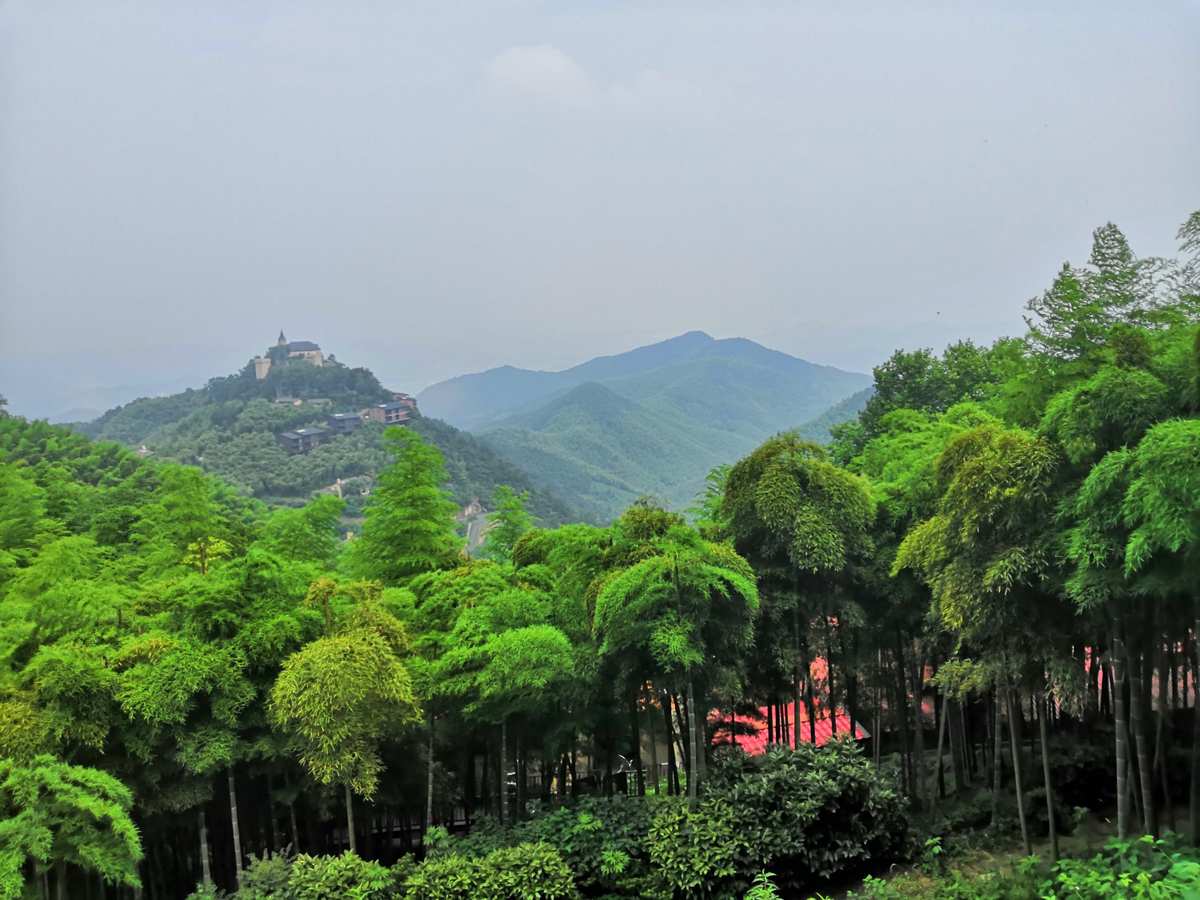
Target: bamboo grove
[1001,553]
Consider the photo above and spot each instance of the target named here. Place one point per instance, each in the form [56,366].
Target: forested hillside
[956,654]
[652,421]
[605,451]
[821,428]
[230,427]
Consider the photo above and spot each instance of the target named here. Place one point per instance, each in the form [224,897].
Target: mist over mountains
[652,421]
[585,441]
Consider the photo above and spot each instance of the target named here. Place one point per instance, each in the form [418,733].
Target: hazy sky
[429,189]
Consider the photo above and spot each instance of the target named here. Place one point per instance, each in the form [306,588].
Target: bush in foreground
[809,816]
[1124,870]
[536,871]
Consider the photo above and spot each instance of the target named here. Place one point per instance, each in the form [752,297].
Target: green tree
[987,554]
[409,527]
[689,604]
[23,522]
[802,522]
[341,696]
[308,534]
[506,523]
[52,813]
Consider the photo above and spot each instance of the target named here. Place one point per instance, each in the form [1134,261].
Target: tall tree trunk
[1122,731]
[635,737]
[295,827]
[350,819]
[501,809]
[810,701]
[829,683]
[1015,742]
[683,722]
[1137,724]
[941,778]
[1161,736]
[1161,755]
[693,748]
[957,736]
[850,669]
[672,766]
[1108,686]
[796,663]
[653,743]
[205,865]
[918,727]
[997,757]
[60,879]
[429,773]
[1194,799]
[903,718]
[271,812]
[236,826]
[877,735]
[1043,712]
[520,777]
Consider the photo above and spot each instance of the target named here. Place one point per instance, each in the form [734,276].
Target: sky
[429,189]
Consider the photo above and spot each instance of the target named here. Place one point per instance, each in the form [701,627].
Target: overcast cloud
[429,189]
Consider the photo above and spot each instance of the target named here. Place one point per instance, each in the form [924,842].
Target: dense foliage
[230,428]
[993,569]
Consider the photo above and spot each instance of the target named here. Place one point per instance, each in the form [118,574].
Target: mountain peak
[485,399]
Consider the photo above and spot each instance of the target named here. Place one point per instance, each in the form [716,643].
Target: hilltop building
[343,423]
[304,439]
[395,413]
[286,351]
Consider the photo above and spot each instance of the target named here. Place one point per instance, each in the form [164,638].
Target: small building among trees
[304,439]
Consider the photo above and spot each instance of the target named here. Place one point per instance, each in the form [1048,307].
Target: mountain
[650,421]
[230,427]
[847,410]
[474,401]
[747,386]
[604,451]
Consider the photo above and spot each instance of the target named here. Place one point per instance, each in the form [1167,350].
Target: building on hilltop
[343,423]
[398,412]
[303,439]
[286,351]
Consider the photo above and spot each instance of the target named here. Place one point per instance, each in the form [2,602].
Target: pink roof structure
[750,731]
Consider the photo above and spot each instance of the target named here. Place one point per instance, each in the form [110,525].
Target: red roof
[750,732]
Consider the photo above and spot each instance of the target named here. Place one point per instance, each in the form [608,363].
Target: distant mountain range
[652,421]
[586,441]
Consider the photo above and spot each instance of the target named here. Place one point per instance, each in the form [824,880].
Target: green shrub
[1142,868]
[345,877]
[266,877]
[534,871]
[763,888]
[694,849]
[1145,869]
[807,815]
[445,877]
[603,840]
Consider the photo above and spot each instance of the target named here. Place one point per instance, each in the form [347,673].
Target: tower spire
[282,340]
